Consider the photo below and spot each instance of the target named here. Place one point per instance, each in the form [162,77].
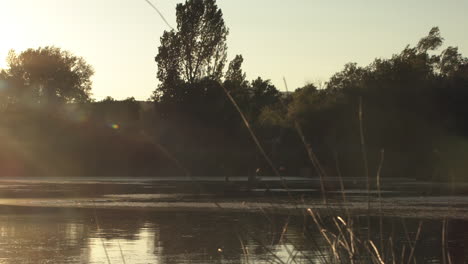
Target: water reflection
[122,250]
[33,235]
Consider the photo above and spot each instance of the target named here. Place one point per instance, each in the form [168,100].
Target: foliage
[412,105]
[191,62]
[198,48]
[234,73]
[46,76]
[431,42]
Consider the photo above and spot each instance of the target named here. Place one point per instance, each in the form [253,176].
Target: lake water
[146,221]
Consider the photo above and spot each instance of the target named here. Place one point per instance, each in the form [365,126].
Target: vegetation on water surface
[413,106]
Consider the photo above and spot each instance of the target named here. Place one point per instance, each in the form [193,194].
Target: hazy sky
[303,40]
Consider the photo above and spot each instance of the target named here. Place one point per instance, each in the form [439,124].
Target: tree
[263,94]
[108,99]
[191,61]
[47,76]
[450,61]
[234,72]
[235,82]
[197,49]
[169,70]
[350,78]
[431,42]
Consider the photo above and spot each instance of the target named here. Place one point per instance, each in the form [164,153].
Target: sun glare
[3,55]
[10,40]
[10,33]
[6,45]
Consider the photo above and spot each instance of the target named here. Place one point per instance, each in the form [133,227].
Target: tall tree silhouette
[191,61]
[197,49]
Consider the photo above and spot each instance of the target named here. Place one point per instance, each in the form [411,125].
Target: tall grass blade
[379,190]
[376,251]
[413,246]
[366,166]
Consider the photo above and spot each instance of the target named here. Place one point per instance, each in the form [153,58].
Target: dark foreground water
[51,221]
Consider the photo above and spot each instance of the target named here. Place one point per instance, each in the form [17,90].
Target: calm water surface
[49,225]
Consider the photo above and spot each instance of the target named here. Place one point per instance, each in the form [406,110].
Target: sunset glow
[222,131]
[305,42]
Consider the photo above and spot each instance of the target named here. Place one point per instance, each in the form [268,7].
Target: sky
[302,40]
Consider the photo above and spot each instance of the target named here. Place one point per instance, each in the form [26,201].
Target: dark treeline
[413,107]
[49,126]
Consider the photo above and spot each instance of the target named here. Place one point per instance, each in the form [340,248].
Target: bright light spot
[115,126]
